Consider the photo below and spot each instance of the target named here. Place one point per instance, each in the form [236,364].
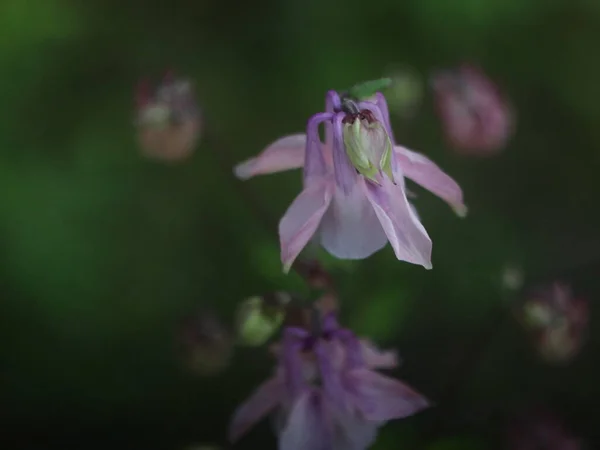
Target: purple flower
[326,392]
[476,118]
[354,198]
[557,321]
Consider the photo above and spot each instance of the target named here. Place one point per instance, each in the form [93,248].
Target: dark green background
[102,252]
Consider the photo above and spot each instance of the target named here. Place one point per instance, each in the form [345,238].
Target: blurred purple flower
[327,393]
[168,119]
[354,200]
[557,321]
[476,118]
[540,430]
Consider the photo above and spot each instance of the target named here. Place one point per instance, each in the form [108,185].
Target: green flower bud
[258,319]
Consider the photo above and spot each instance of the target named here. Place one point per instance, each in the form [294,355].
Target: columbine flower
[168,120]
[557,322]
[327,393]
[476,118]
[354,199]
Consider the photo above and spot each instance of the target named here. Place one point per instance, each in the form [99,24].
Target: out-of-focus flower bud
[168,119]
[259,318]
[207,346]
[540,429]
[556,321]
[512,278]
[476,118]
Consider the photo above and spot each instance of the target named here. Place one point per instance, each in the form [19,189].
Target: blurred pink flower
[540,430]
[557,322]
[168,119]
[475,117]
[327,393]
[354,200]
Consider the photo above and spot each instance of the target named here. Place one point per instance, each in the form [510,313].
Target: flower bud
[207,346]
[368,146]
[556,321]
[168,120]
[258,318]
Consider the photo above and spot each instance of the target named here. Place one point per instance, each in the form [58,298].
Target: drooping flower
[326,391]
[476,118]
[168,119]
[354,199]
[556,320]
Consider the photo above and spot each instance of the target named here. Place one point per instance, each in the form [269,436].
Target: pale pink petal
[283,154]
[315,164]
[425,172]
[350,228]
[415,212]
[307,427]
[302,219]
[406,234]
[381,398]
[261,402]
[378,359]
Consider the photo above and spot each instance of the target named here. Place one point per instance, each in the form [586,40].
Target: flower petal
[315,165]
[378,359]
[406,234]
[350,228]
[378,106]
[425,172]
[352,432]
[283,154]
[261,402]
[332,104]
[293,340]
[306,427]
[345,173]
[382,398]
[302,219]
